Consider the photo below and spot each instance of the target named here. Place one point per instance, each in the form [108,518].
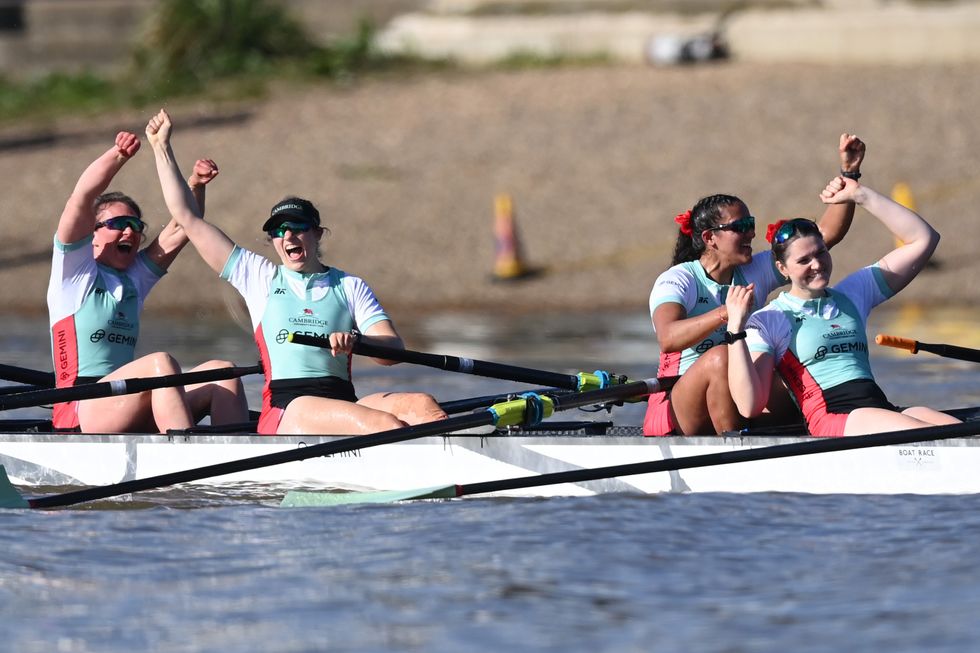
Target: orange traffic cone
[508,263]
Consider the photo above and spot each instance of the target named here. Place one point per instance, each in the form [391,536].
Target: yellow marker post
[902,194]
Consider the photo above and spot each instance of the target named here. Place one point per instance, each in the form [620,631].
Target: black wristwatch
[732,337]
[850,175]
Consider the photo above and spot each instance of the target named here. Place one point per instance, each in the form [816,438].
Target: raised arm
[837,218]
[749,375]
[919,239]
[172,239]
[211,243]
[78,218]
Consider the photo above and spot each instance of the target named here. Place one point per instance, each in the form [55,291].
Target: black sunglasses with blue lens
[741,226]
[120,222]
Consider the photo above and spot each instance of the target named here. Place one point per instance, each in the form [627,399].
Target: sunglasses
[789,228]
[295,227]
[742,225]
[120,222]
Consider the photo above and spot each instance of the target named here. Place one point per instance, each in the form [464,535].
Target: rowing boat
[505,446]
[36,459]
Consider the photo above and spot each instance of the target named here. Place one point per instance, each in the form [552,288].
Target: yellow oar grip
[513,412]
[898,343]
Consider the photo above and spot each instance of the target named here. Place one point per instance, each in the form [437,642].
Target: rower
[687,306]
[814,334]
[99,281]
[307,389]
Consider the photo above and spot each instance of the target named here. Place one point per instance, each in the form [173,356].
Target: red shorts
[658,419]
[269,420]
[827,425]
[65,416]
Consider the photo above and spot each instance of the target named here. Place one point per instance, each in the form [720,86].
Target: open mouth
[125,248]
[293,252]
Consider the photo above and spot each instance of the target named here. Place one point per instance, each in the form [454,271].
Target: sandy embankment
[598,161]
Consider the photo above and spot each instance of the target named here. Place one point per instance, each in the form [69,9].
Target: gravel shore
[598,161]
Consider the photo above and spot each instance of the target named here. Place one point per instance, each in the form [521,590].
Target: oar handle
[121,387]
[897,342]
[451,363]
[914,346]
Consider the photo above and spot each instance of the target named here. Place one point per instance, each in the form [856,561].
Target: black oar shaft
[951,351]
[481,418]
[822,445]
[24,375]
[303,453]
[120,387]
[453,363]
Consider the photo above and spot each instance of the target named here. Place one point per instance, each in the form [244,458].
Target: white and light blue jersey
[820,343]
[281,301]
[690,286]
[94,310]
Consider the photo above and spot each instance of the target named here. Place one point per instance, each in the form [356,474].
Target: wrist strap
[733,337]
[850,175]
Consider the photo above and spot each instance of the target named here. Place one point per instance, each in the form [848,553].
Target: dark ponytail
[705,214]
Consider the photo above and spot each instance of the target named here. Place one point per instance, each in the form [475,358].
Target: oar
[914,346]
[17,389]
[508,413]
[457,406]
[120,387]
[580,381]
[297,499]
[25,375]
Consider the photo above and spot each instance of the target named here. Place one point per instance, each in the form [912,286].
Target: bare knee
[232,385]
[715,360]
[419,407]
[215,365]
[162,363]
[382,421]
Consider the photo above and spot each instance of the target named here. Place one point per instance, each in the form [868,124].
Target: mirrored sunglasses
[120,222]
[790,227]
[295,227]
[742,225]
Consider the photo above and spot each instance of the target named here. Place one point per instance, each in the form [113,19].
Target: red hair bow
[684,220]
[773,228]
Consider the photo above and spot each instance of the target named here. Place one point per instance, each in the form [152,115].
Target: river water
[201,569]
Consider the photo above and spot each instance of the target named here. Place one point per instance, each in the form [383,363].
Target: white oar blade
[9,496]
[297,499]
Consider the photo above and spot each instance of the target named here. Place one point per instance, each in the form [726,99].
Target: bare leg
[930,416]
[410,407]
[879,420]
[316,415]
[701,401]
[223,400]
[146,412]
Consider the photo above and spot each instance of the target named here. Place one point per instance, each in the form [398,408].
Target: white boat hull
[47,460]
